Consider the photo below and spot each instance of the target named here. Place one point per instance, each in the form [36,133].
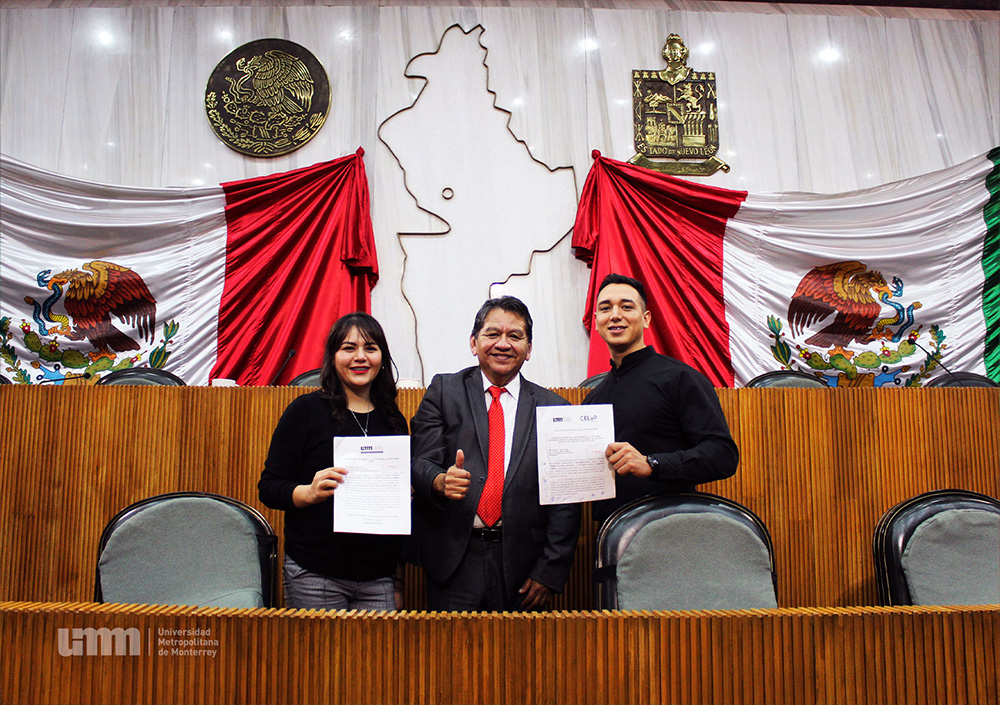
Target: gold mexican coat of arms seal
[676,116]
[267,98]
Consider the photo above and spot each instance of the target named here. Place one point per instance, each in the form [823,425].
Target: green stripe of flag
[991,269]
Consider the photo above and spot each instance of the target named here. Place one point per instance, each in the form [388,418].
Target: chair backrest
[787,378]
[939,548]
[307,379]
[593,380]
[961,379]
[188,548]
[142,377]
[682,552]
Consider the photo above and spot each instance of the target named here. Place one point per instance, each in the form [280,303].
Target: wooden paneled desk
[830,656]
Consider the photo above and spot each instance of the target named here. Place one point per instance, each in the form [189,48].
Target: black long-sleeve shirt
[302,445]
[669,410]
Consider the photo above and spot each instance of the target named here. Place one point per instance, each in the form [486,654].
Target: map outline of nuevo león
[500,204]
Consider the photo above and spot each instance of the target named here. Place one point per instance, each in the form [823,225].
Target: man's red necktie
[491,499]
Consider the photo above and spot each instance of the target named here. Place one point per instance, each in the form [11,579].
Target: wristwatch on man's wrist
[655,464]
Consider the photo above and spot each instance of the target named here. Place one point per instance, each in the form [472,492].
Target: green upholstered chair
[787,378]
[684,551]
[307,379]
[188,548]
[939,548]
[142,377]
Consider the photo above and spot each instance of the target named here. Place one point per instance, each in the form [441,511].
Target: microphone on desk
[291,354]
[85,375]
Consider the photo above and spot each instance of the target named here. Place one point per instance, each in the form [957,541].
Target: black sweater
[302,444]
[669,410]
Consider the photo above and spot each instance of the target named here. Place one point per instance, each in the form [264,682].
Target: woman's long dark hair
[383,389]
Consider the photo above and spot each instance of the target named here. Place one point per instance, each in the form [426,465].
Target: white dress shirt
[508,402]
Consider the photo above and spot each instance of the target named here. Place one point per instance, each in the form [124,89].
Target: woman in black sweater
[324,570]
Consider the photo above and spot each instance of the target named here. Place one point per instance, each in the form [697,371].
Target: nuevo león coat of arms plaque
[676,116]
[267,98]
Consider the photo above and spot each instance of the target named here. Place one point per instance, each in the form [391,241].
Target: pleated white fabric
[173,238]
[924,235]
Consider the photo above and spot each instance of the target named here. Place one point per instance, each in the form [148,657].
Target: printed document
[375,495]
[572,466]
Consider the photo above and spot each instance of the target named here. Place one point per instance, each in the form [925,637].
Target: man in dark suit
[482,537]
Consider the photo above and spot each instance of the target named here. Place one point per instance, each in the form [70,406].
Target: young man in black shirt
[670,432]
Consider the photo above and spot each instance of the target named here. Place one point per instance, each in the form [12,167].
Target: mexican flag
[239,281]
[887,286]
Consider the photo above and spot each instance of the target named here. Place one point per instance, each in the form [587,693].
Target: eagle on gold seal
[267,98]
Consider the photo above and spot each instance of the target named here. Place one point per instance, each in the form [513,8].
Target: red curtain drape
[667,233]
[300,253]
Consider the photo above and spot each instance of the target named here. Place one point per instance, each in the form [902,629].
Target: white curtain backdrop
[826,100]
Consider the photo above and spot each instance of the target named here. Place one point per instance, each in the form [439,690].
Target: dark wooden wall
[818,466]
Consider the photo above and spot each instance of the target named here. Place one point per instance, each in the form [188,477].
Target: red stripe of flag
[667,233]
[300,253]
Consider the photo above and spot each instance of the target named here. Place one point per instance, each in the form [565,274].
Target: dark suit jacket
[538,542]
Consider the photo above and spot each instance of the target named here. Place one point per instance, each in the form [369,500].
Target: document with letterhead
[572,465]
[375,495]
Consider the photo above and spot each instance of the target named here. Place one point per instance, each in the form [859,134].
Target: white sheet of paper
[572,441]
[375,495]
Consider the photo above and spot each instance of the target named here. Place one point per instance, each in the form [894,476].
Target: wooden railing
[176,655]
[818,466]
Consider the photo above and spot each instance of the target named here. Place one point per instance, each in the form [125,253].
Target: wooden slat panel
[826,656]
[818,466]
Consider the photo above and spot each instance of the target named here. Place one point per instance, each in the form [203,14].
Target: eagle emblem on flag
[840,306]
[92,296]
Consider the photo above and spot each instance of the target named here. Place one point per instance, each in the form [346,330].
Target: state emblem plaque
[676,116]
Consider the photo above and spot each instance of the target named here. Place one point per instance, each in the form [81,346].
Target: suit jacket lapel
[477,402]
[524,417]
